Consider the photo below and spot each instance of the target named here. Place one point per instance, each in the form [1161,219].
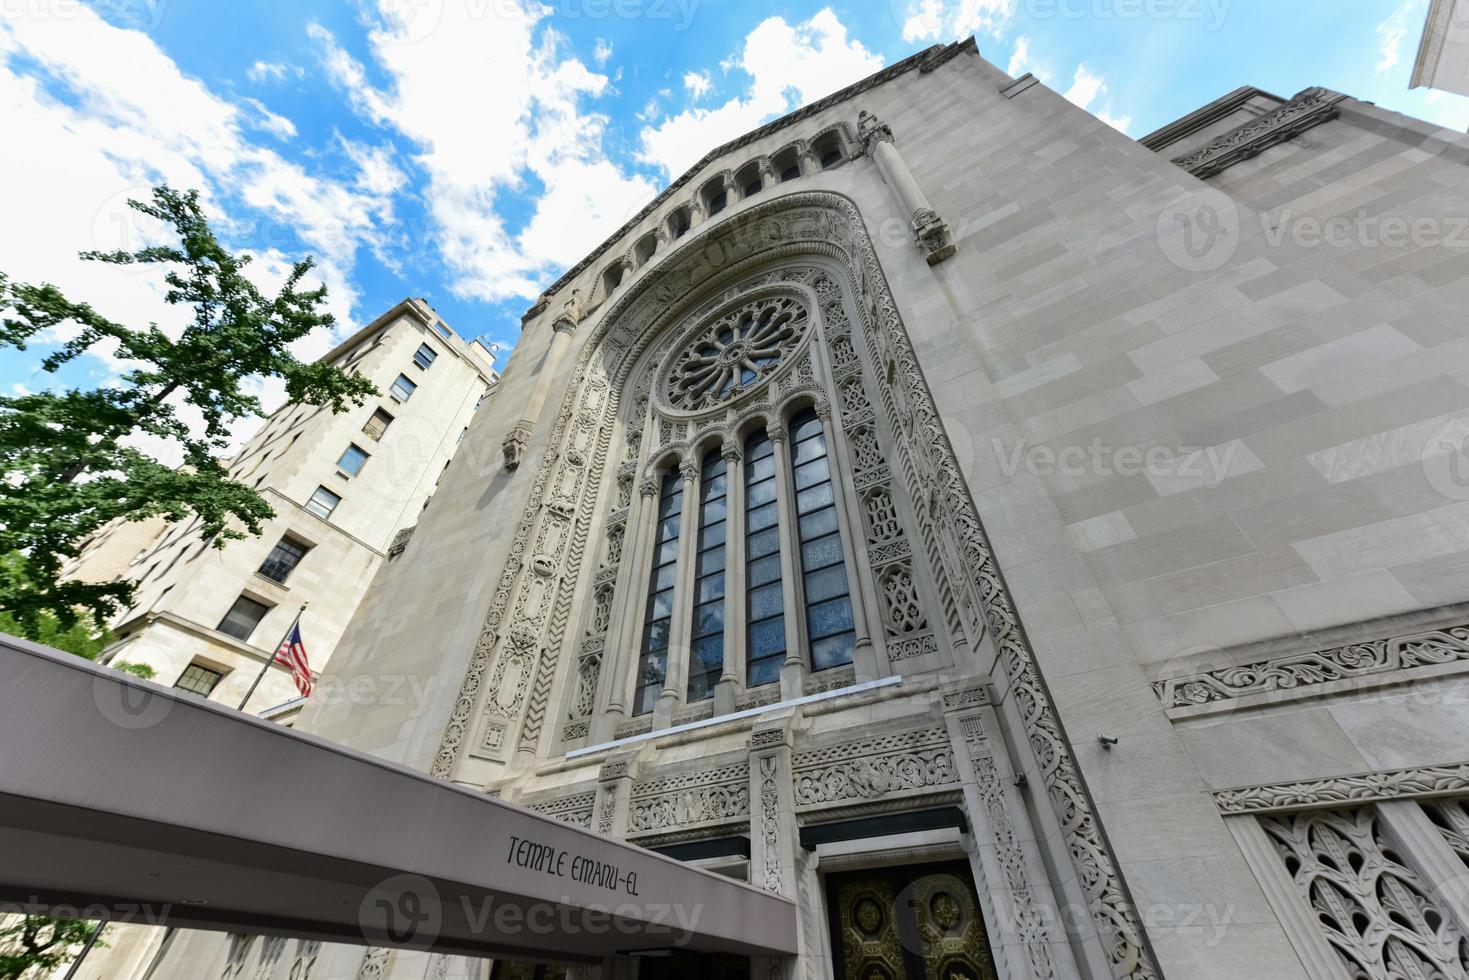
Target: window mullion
[732,676]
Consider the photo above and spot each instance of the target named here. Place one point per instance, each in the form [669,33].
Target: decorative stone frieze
[693,799]
[1300,671]
[875,767]
[1309,108]
[575,809]
[1421,782]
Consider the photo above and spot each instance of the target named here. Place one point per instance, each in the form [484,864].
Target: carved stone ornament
[932,236]
[693,799]
[871,131]
[400,542]
[1309,108]
[1436,646]
[1421,782]
[566,321]
[869,768]
[732,353]
[786,227]
[516,444]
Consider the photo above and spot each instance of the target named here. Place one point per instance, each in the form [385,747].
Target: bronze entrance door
[920,922]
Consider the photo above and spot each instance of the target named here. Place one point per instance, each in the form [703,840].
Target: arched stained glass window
[765,609]
[653,661]
[823,573]
[706,648]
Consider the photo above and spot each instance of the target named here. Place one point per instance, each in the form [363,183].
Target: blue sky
[469,150]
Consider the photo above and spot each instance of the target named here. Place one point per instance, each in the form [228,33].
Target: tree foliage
[70,458]
[32,944]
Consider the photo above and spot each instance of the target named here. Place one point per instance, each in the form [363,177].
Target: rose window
[735,352]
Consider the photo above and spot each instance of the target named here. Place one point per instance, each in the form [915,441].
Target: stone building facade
[1036,552]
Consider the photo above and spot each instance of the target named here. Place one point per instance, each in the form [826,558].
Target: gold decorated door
[920,922]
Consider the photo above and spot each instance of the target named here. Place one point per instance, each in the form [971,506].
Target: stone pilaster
[774,836]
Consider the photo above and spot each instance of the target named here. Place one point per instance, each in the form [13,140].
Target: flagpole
[270,657]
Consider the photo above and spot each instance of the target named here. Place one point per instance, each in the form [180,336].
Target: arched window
[706,647]
[644,249]
[612,278]
[679,222]
[787,164]
[765,608]
[715,197]
[749,181]
[829,151]
[823,573]
[653,660]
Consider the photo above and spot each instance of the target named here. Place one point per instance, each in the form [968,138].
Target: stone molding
[689,800]
[1309,108]
[1301,672]
[1392,784]
[901,763]
[575,809]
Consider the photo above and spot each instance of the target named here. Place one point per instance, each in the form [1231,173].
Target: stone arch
[800,224]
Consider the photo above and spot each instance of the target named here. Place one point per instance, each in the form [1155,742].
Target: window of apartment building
[352,460]
[424,356]
[403,388]
[283,559]
[323,502]
[198,679]
[377,426]
[243,617]
[443,329]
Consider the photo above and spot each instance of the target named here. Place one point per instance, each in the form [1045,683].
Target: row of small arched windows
[827,151]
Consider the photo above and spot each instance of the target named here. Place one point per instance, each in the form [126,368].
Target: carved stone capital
[776,431]
[566,321]
[731,452]
[932,236]
[516,444]
[872,131]
[648,488]
[689,470]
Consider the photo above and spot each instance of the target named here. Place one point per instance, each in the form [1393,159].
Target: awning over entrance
[127,796]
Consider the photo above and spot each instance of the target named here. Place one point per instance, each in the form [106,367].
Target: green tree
[69,459]
[33,944]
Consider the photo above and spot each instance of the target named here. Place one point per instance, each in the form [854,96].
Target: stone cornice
[926,61]
[1354,790]
[1204,116]
[1308,109]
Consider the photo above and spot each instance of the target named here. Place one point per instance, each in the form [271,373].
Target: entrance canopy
[160,807]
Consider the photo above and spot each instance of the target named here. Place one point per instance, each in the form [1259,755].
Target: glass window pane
[767,638]
[834,651]
[764,571]
[760,493]
[762,543]
[712,487]
[805,425]
[243,617]
[821,552]
[810,474]
[352,460]
[765,602]
[711,561]
[818,523]
[829,618]
[707,654]
[668,528]
[765,671]
[711,536]
[655,635]
[709,618]
[805,452]
[826,583]
[760,469]
[663,577]
[662,605]
[709,587]
[817,496]
[701,686]
[714,510]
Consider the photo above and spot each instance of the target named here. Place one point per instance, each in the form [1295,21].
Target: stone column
[864,657]
[774,837]
[930,232]
[731,679]
[621,656]
[1010,873]
[676,670]
[793,671]
[518,441]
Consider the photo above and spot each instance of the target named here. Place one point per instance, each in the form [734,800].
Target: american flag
[292,654]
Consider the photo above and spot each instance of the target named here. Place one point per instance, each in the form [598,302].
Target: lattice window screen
[1376,911]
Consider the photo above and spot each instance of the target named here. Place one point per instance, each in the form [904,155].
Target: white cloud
[104,115]
[952,20]
[696,83]
[534,130]
[1020,60]
[602,51]
[1086,88]
[272,71]
[1391,34]
[789,66]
